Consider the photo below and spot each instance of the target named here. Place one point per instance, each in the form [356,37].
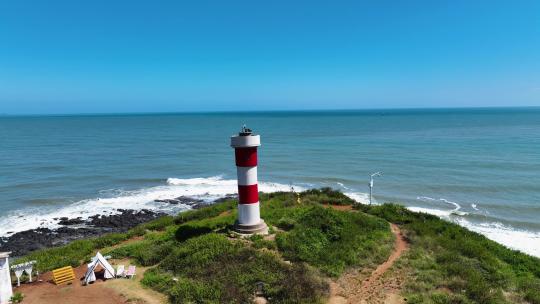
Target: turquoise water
[477,167]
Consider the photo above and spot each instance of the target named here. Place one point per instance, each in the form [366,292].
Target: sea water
[477,167]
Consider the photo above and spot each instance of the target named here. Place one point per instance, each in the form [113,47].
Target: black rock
[67,222]
[185,200]
[226,198]
[168,201]
[124,220]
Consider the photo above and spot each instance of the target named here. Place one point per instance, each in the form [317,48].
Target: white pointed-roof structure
[101,261]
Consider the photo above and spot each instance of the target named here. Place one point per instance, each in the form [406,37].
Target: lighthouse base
[260,228]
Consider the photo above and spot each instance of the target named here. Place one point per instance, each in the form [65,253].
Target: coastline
[454,255]
[121,220]
[76,228]
[27,241]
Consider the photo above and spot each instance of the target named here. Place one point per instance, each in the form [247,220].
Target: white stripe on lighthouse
[249,214]
[246,175]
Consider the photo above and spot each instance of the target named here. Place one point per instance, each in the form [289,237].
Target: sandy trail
[400,245]
[374,289]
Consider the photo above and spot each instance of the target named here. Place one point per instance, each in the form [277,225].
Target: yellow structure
[63,275]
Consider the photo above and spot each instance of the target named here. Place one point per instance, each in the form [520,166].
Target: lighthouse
[245,146]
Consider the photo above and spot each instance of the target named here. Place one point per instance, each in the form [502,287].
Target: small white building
[6,291]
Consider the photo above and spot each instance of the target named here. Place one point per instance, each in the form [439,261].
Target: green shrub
[158,280]
[530,286]
[159,224]
[212,269]
[326,195]
[259,242]
[332,240]
[286,223]
[205,212]
[109,240]
[17,298]
[188,231]
[192,291]
[203,226]
[146,253]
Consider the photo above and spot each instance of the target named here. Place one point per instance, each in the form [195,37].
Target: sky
[59,57]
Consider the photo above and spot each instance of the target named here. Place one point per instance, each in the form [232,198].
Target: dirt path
[371,288]
[350,288]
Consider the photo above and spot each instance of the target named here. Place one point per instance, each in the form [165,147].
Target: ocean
[479,168]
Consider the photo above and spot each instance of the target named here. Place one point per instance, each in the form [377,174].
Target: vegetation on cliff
[196,259]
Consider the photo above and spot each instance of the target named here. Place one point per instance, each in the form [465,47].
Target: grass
[201,265]
[193,257]
[333,240]
[212,269]
[454,265]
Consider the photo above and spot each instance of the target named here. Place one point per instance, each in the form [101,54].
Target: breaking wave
[524,240]
[206,189]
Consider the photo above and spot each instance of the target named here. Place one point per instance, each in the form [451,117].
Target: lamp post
[371,184]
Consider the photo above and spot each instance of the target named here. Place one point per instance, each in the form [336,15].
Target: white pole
[370,189]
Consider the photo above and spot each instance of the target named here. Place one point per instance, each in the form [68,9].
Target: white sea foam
[362,198]
[207,189]
[455,211]
[440,213]
[523,240]
[343,186]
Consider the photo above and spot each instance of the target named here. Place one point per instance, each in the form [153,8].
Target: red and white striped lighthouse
[245,150]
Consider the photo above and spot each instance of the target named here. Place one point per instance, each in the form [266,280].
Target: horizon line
[264,111]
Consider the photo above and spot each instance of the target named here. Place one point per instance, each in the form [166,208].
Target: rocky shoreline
[21,243]
[24,242]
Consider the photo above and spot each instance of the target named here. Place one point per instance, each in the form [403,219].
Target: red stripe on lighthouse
[248,194]
[246,157]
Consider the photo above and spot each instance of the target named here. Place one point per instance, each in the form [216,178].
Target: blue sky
[160,56]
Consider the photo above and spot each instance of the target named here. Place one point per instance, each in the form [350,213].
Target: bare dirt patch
[112,291]
[132,290]
[46,292]
[339,207]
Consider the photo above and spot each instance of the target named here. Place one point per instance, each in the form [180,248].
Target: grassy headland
[195,258]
